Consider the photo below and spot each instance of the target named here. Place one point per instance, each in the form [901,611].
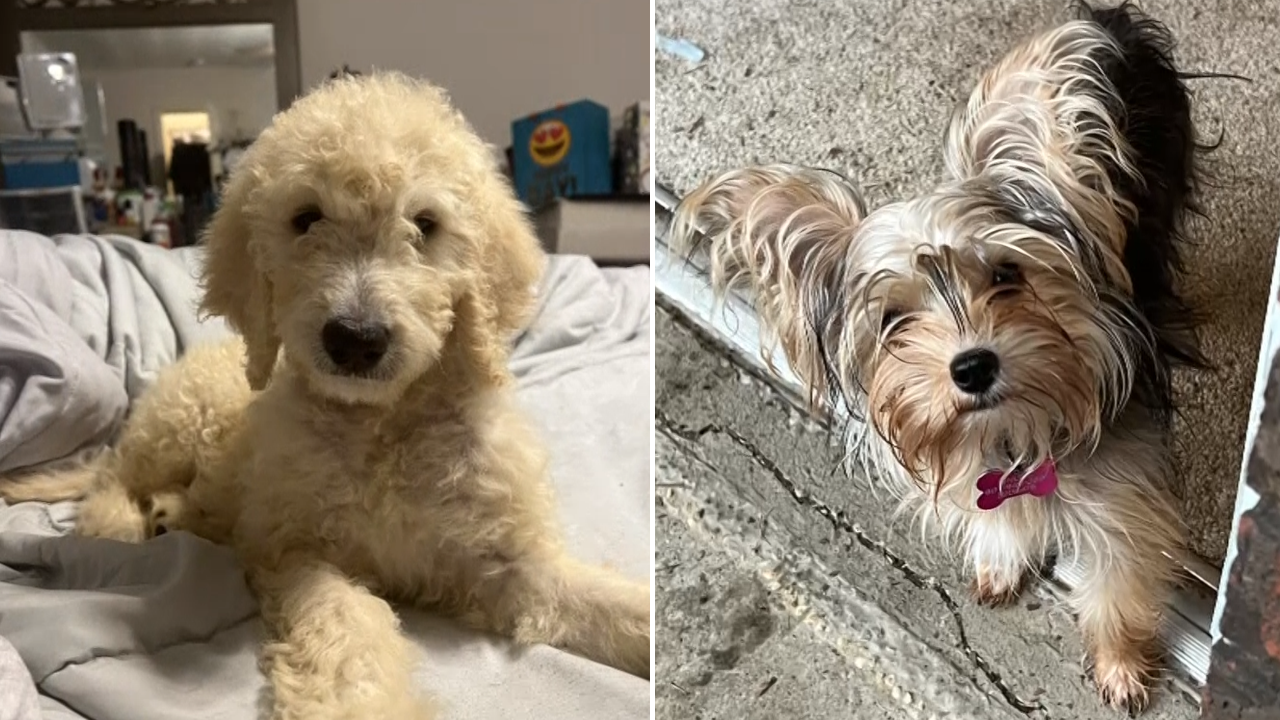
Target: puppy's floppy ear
[500,301]
[781,233]
[514,263]
[235,288]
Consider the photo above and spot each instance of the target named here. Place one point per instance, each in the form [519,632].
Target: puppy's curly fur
[376,265]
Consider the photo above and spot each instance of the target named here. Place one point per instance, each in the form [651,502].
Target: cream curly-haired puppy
[376,264]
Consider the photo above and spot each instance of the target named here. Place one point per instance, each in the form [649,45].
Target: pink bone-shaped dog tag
[1039,482]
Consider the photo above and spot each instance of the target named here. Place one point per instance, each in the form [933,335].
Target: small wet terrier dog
[1008,338]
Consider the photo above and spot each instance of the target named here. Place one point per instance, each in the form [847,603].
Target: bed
[167,629]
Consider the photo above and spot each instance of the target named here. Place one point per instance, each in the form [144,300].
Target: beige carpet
[865,86]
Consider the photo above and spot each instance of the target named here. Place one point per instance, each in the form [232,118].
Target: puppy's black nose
[355,346]
[974,371]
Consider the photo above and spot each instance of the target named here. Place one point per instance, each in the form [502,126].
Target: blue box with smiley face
[562,152]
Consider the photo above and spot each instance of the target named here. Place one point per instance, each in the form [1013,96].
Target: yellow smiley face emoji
[549,143]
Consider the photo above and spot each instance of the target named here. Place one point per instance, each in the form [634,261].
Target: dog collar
[996,486]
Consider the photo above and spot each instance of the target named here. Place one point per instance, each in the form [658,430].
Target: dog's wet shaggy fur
[1023,315]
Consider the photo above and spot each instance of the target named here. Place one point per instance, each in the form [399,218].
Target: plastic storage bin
[49,211]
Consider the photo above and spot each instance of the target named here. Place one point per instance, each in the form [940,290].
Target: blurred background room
[125,116]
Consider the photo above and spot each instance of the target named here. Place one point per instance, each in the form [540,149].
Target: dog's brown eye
[426,224]
[889,317]
[303,221]
[1006,274]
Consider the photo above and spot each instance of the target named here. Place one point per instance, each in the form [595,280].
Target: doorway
[204,77]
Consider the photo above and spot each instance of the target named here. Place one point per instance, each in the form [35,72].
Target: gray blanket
[167,629]
[85,324]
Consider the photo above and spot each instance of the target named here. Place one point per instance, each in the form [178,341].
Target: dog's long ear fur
[781,234]
[504,294]
[1043,131]
[1085,134]
[513,261]
[235,288]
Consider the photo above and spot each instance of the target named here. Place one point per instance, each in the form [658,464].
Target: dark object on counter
[190,169]
[132,159]
[192,175]
[631,157]
[145,156]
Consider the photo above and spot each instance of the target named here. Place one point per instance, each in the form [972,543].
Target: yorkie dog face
[968,330]
[1015,310]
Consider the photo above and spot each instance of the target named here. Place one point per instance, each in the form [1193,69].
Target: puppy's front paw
[995,586]
[1123,677]
[165,513]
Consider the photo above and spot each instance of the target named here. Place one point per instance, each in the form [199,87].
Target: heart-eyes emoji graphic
[549,143]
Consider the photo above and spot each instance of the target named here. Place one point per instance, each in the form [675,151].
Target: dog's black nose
[354,346]
[974,371]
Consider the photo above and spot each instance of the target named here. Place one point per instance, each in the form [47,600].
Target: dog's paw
[1123,679]
[165,513]
[995,586]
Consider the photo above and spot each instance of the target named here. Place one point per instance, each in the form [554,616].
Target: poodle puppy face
[364,226]
[367,268]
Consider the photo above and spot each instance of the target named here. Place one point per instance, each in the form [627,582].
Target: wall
[499,59]
[233,97]
[1246,496]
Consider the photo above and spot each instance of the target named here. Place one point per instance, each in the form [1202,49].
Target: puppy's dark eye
[1006,274]
[890,316]
[303,221]
[426,223]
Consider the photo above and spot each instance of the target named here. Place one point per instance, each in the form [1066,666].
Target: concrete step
[787,589]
